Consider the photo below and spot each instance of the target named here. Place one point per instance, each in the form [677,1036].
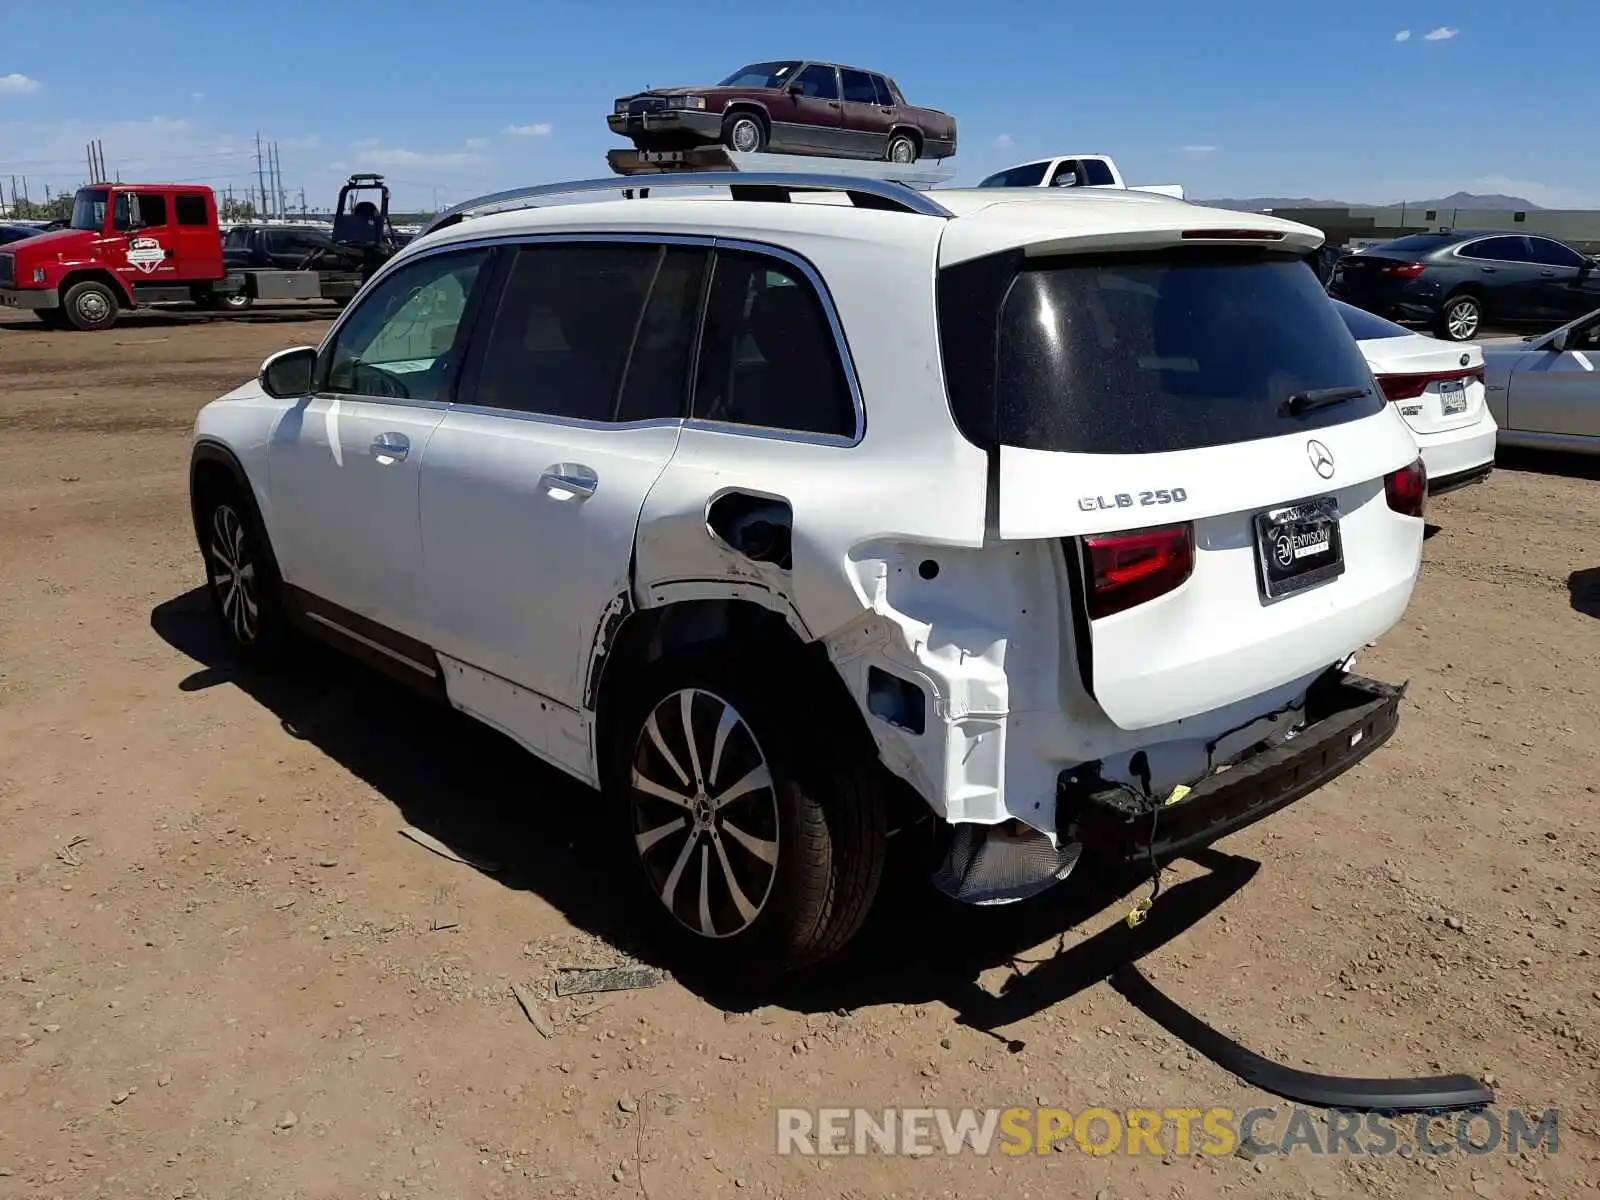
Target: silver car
[1544,390]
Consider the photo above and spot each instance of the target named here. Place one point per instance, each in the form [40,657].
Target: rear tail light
[1407,489]
[1127,569]
[1409,387]
[1403,270]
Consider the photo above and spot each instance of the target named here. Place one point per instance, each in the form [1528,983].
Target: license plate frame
[1452,397]
[1291,557]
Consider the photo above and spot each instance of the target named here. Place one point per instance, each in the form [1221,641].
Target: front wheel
[89,306]
[744,133]
[241,578]
[902,149]
[1461,319]
[756,854]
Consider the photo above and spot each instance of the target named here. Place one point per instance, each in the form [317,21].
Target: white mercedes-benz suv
[1047,522]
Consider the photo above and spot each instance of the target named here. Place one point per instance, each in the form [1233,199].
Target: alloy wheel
[901,151]
[233,575]
[705,813]
[1461,318]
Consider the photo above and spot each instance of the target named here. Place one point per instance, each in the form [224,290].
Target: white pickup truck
[1075,170]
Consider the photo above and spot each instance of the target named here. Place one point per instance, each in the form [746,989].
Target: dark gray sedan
[1458,282]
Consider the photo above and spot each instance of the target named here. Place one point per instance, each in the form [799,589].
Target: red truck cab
[127,244]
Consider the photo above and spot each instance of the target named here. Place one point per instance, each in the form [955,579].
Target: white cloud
[539,129]
[389,157]
[477,143]
[1442,34]
[1403,36]
[1005,141]
[1202,149]
[197,96]
[18,85]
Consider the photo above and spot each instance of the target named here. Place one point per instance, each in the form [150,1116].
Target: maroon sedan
[795,107]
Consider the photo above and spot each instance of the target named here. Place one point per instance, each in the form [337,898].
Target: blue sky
[1229,98]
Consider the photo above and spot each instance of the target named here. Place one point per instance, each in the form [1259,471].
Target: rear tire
[754,851]
[242,578]
[902,149]
[89,306]
[1461,319]
[744,133]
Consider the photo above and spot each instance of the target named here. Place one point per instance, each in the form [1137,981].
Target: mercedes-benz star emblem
[1285,552]
[1321,458]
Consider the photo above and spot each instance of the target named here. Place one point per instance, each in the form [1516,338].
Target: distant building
[1578,228]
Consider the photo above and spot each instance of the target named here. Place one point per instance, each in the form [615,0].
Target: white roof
[985,220]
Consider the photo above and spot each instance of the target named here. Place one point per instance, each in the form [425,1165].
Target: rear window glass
[1027,175]
[1416,243]
[1365,326]
[1142,354]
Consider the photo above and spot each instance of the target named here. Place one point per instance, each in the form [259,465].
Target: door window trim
[711,243]
[1458,252]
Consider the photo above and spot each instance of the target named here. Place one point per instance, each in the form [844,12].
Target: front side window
[1066,174]
[768,357]
[152,211]
[819,81]
[883,92]
[1554,254]
[405,339]
[1144,353]
[593,331]
[89,209]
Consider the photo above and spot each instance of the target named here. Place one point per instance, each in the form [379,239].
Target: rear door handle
[391,446]
[579,480]
[1548,274]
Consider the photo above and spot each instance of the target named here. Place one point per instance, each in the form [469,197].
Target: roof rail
[742,185]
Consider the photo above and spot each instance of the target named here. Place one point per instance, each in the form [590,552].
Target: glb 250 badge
[1175,495]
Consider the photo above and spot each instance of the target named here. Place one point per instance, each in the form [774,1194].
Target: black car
[15,233]
[1458,281]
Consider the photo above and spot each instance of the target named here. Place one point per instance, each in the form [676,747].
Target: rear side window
[191,209]
[858,87]
[594,332]
[1501,249]
[768,357]
[1416,243]
[1027,175]
[1143,353]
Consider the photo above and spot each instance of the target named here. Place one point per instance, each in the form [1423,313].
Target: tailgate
[1201,433]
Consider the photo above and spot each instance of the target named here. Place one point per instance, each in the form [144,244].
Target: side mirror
[287,373]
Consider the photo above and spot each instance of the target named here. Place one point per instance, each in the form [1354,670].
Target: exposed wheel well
[72,278]
[914,134]
[753,634]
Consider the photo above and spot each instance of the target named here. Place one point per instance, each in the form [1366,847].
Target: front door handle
[391,447]
[575,479]
[1548,274]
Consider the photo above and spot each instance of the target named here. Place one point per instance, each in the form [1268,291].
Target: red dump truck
[135,244]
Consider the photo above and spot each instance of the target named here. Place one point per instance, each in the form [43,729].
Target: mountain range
[1457,200]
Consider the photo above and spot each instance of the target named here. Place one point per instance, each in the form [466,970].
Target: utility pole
[261,177]
[280,200]
[302,202]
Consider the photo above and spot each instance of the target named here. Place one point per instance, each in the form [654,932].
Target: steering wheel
[369,380]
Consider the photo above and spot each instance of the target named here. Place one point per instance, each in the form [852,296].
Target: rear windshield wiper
[1309,401]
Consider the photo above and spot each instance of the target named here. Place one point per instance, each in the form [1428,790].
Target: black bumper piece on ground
[1461,479]
[1347,718]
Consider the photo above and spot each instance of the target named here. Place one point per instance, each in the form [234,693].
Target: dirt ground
[223,973]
